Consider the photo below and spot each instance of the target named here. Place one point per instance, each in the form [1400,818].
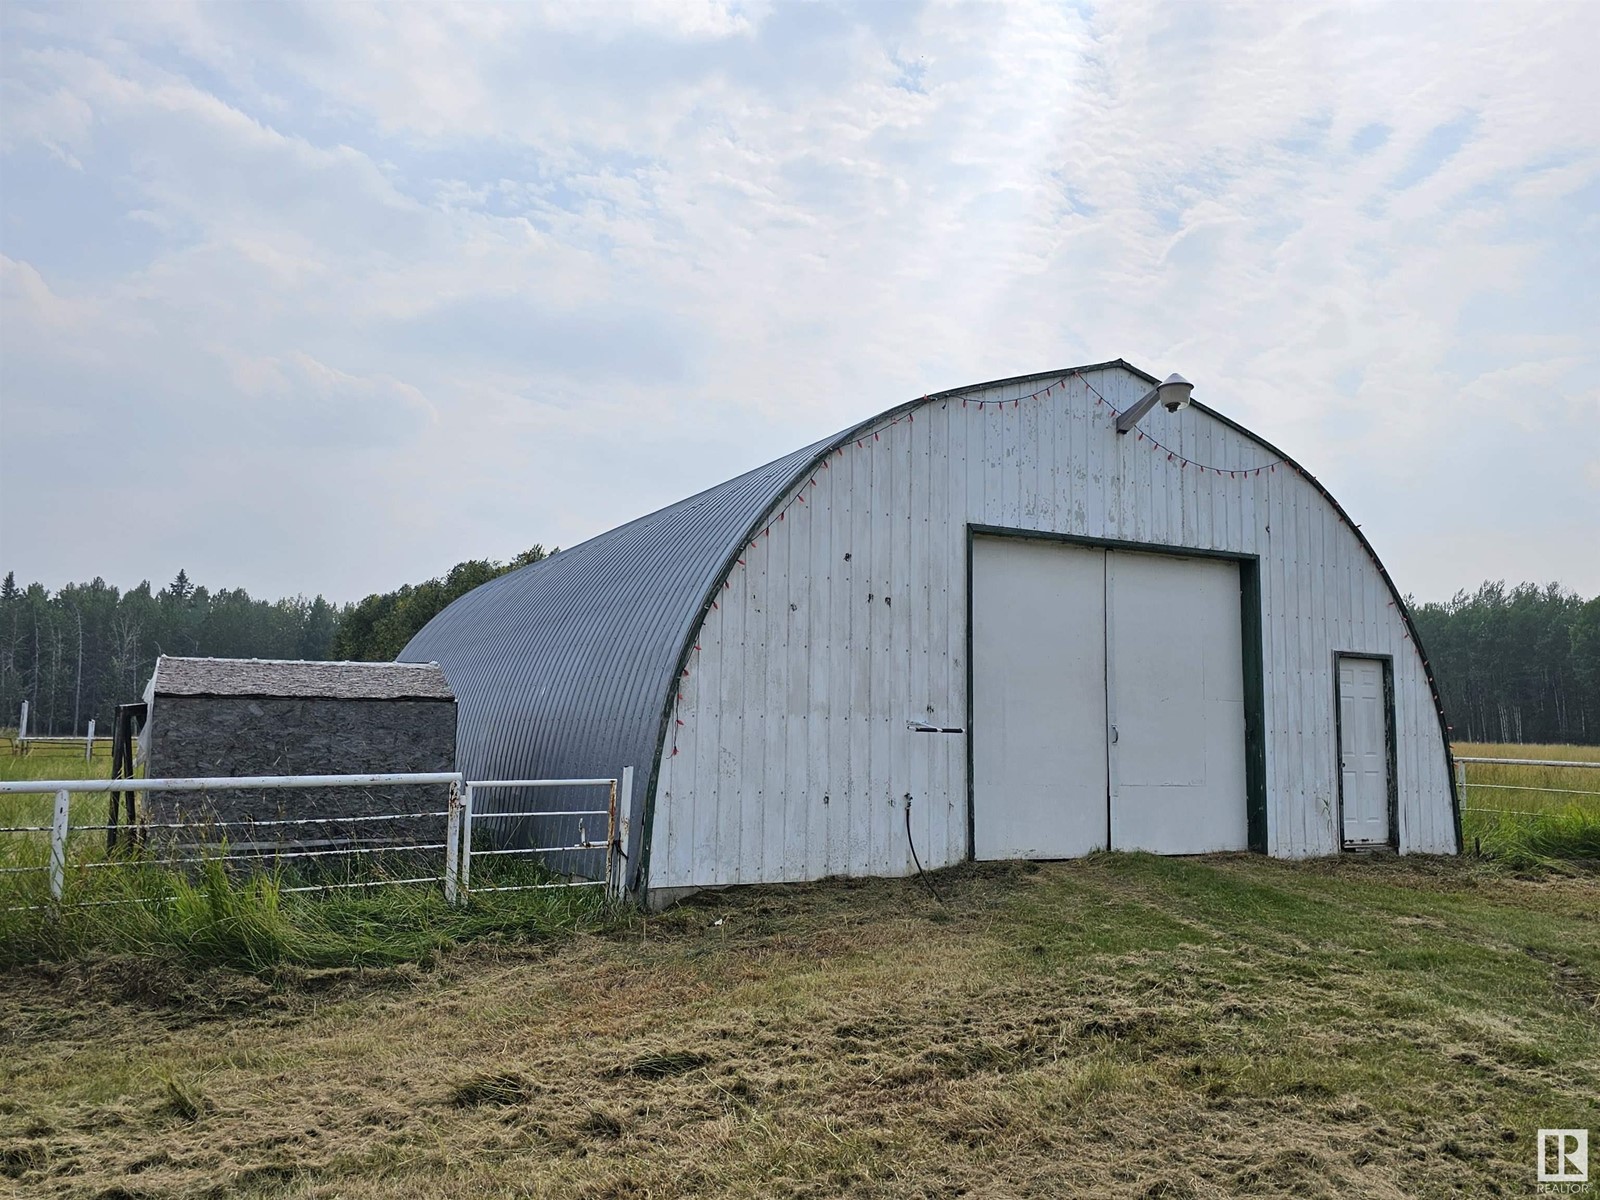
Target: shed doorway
[1108,702]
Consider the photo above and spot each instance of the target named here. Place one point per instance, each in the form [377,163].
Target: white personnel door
[1107,702]
[1363,752]
[1038,699]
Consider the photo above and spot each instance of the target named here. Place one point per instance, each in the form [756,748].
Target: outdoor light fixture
[1172,393]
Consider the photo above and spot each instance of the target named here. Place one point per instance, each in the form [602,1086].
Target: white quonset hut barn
[991,609]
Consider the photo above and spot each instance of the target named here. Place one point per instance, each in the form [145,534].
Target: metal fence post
[452,844]
[88,742]
[58,845]
[465,877]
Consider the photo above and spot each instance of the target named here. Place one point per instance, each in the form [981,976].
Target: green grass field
[1118,1025]
[248,920]
[1532,815]
[1121,1025]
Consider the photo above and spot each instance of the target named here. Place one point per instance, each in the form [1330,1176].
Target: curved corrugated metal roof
[565,668]
[561,669]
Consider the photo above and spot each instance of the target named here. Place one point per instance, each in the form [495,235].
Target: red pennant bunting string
[1049,389]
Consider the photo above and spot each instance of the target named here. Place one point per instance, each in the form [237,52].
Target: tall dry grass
[1531,815]
[243,915]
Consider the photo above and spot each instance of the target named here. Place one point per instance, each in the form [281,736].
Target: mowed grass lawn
[1117,1026]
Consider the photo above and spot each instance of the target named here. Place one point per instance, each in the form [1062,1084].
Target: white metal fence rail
[456,831]
[1563,763]
[612,845]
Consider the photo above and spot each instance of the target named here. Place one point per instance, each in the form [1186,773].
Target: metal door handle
[1113,735]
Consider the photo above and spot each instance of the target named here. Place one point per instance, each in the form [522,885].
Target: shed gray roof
[296,678]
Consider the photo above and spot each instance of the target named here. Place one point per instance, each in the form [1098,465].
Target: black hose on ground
[920,872]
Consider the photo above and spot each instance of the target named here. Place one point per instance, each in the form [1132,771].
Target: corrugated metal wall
[789,757]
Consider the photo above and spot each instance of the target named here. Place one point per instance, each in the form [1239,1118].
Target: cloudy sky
[325,298]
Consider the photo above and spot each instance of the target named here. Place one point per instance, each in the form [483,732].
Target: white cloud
[592,258]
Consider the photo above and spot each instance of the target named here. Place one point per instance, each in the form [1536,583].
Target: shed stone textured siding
[241,735]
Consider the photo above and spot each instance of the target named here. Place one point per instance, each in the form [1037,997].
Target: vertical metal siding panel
[1415,818]
[1191,504]
[890,678]
[1050,462]
[1094,466]
[1217,486]
[1412,820]
[795,786]
[1276,682]
[1069,478]
[818,612]
[948,537]
[861,806]
[1172,480]
[840,500]
[729,625]
[774,741]
[918,581]
[1141,464]
[1300,611]
[701,731]
[954,542]
[1325,743]
[1318,741]
[752,746]
[667,836]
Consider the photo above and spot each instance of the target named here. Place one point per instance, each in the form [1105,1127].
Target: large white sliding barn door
[1176,704]
[1107,701]
[1038,699]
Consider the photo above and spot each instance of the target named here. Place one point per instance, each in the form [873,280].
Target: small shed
[249,716]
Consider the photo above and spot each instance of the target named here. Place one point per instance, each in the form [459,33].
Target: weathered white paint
[1039,752]
[1363,752]
[793,759]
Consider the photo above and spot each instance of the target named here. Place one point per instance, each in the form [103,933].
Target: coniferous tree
[76,654]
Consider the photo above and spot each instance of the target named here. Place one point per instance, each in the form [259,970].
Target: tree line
[1514,664]
[77,653]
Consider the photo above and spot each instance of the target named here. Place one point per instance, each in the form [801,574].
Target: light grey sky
[326,298]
